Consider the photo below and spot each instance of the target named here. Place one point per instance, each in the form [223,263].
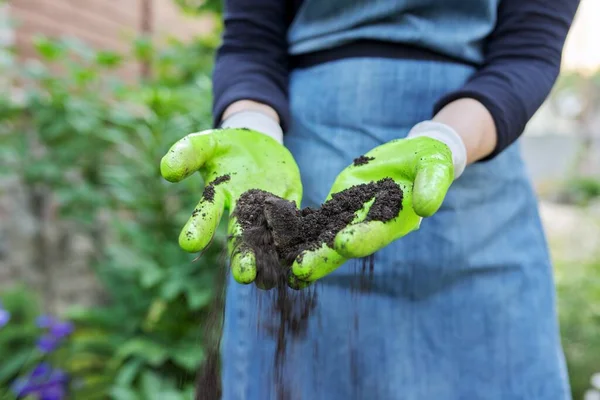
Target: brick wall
[102,24]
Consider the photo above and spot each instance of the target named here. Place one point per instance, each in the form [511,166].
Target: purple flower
[61,329]
[45,321]
[41,370]
[48,343]
[56,392]
[56,330]
[44,382]
[4,316]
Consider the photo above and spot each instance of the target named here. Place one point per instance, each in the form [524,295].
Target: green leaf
[151,275]
[198,297]
[50,50]
[143,49]
[83,76]
[188,359]
[17,362]
[174,395]
[151,385]
[128,373]
[124,393]
[109,59]
[197,6]
[172,288]
[151,352]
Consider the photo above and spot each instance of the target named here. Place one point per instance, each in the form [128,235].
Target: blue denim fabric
[463,308]
[452,27]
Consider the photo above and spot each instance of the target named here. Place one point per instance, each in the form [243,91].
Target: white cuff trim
[256,121]
[449,137]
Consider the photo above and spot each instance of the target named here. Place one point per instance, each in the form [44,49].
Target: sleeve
[521,64]
[251,63]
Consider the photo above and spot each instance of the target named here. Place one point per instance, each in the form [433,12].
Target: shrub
[94,142]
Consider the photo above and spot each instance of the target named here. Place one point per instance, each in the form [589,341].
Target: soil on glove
[209,190]
[278,232]
[362,160]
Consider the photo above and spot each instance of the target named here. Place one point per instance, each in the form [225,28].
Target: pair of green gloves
[424,165]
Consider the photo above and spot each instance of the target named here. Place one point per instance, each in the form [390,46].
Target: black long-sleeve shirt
[521,59]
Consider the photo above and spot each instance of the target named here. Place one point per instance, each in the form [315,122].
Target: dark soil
[209,190]
[362,160]
[278,232]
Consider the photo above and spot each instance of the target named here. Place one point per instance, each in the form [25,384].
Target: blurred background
[96,299]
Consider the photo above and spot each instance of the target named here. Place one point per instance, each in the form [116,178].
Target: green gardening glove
[231,161]
[423,165]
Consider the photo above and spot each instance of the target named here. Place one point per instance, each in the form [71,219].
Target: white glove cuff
[257,121]
[449,137]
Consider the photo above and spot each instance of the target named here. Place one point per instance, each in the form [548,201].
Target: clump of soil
[362,160]
[278,232]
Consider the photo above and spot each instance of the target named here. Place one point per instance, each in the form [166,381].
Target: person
[435,93]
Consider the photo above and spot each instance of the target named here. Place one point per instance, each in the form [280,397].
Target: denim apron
[463,308]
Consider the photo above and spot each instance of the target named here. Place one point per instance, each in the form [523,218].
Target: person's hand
[423,165]
[231,162]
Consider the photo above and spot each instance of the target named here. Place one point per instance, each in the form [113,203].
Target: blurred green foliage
[579,309]
[578,284]
[195,6]
[18,338]
[94,141]
[580,190]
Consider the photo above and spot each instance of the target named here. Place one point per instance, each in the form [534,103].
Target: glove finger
[431,184]
[311,265]
[188,155]
[243,259]
[365,238]
[200,227]
[243,265]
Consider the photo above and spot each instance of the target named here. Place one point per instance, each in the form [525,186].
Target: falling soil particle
[278,233]
[209,190]
[362,160]
[208,380]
